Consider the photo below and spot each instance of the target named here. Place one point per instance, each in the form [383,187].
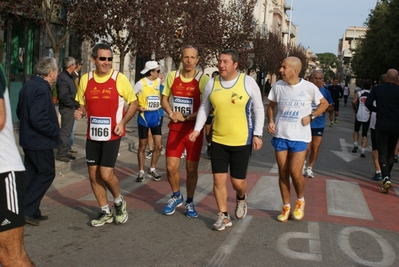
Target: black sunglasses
[105,58]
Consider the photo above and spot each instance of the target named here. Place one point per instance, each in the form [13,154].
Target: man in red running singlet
[102,95]
[185,87]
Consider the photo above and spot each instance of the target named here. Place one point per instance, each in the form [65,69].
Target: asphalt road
[347,221]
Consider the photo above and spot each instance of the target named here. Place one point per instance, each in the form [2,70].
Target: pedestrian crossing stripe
[349,201]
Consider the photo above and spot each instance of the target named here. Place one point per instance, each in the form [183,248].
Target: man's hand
[179,117]
[271,128]
[119,129]
[257,143]
[172,116]
[78,114]
[306,120]
[193,136]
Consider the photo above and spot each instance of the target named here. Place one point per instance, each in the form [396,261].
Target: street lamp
[289,30]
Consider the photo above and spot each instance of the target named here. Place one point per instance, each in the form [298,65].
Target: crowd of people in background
[192,101]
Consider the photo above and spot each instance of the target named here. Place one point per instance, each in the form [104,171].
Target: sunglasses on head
[105,58]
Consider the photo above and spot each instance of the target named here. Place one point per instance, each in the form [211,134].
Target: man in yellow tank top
[237,129]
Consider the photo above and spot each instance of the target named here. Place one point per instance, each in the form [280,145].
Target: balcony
[277,11]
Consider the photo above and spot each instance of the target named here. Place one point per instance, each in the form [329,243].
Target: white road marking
[265,195]
[313,236]
[346,199]
[230,243]
[388,253]
[344,154]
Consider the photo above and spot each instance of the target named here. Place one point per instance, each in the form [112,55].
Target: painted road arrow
[344,154]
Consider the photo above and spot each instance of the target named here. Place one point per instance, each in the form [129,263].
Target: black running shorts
[237,157]
[12,191]
[102,153]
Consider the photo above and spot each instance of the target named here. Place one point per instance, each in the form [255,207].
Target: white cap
[149,65]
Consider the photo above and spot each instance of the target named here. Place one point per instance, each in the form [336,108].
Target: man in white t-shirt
[291,130]
[12,189]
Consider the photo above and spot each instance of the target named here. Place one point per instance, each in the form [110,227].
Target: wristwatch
[312,117]
[259,136]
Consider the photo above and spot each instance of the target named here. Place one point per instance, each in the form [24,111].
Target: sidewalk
[129,142]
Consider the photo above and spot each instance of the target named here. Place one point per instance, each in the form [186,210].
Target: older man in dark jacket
[67,104]
[39,134]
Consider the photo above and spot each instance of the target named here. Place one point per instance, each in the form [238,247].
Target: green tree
[328,62]
[379,49]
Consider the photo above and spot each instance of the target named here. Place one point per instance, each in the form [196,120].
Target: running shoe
[354,150]
[331,124]
[154,175]
[299,211]
[222,222]
[173,203]
[140,177]
[386,184]
[336,120]
[149,155]
[304,168]
[121,215]
[309,173]
[102,219]
[362,155]
[241,208]
[285,214]
[396,159]
[377,176]
[162,151]
[190,210]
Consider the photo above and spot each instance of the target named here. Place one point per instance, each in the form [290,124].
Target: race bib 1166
[100,128]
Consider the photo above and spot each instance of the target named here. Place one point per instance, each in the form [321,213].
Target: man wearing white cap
[149,98]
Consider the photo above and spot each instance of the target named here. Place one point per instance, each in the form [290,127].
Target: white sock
[362,149]
[142,171]
[152,169]
[355,144]
[287,205]
[106,209]
[118,200]
[301,199]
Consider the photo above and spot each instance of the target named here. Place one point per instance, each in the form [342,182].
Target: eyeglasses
[105,58]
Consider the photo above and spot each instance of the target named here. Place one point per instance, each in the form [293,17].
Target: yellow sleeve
[125,88]
[167,91]
[82,89]
[203,81]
